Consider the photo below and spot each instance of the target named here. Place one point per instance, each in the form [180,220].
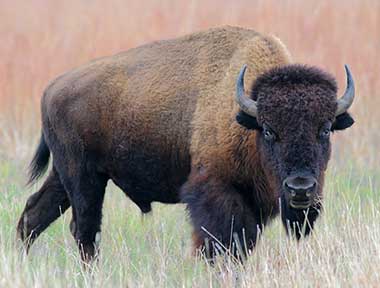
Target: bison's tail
[40,161]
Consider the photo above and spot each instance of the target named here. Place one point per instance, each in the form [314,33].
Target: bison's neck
[246,172]
[230,154]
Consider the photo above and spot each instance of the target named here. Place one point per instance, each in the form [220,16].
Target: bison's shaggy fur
[160,122]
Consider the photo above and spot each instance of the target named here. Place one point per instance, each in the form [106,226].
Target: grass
[41,39]
[154,251]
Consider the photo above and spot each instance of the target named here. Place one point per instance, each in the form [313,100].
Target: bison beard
[298,222]
[226,219]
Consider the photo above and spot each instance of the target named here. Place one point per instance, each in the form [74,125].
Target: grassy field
[41,39]
[155,251]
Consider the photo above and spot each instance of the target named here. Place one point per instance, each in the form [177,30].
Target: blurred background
[40,39]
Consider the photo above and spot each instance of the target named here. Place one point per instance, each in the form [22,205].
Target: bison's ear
[247,121]
[342,121]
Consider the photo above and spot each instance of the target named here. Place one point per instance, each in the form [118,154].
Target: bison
[172,121]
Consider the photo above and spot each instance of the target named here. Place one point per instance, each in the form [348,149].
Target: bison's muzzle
[301,190]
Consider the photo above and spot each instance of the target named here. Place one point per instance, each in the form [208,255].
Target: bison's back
[156,85]
[142,111]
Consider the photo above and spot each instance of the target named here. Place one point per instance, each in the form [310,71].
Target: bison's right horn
[246,104]
[348,97]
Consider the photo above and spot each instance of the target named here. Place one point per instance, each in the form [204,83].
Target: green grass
[155,251]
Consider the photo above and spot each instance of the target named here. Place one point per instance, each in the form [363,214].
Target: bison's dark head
[295,109]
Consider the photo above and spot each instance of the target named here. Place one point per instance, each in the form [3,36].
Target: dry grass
[41,39]
[344,251]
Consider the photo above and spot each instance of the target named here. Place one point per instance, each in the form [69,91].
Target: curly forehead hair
[292,75]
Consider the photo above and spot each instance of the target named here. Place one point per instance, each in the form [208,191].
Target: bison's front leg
[221,219]
[298,222]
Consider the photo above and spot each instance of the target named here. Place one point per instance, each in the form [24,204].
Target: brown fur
[131,96]
[157,118]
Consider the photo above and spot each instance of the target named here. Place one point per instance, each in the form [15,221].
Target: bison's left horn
[348,97]
[246,104]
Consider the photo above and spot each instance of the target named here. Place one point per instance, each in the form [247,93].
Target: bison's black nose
[300,189]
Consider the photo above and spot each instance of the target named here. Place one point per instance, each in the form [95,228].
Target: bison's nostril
[302,186]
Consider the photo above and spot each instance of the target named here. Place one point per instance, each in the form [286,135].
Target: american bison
[172,121]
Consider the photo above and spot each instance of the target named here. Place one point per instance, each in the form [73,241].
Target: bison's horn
[246,104]
[348,97]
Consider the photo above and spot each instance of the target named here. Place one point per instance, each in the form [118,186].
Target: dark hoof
[24,233]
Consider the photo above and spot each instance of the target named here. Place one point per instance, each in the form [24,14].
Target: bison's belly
[146,175]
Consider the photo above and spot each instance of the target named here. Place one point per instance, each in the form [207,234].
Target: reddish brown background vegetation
[40,39]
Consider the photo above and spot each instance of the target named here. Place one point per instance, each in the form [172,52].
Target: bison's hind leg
[41,209]
[86,189]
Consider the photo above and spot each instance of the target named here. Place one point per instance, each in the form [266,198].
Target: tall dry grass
[344,250]
[41,39]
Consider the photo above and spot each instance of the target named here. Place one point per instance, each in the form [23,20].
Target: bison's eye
[325,131]
[268,134]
